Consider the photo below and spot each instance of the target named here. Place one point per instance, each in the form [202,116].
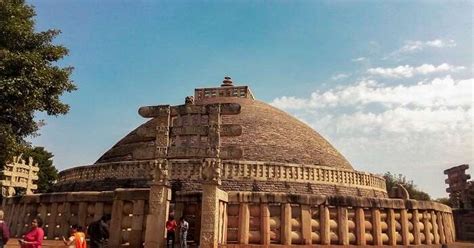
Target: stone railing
[128,208]
[253,218]
[269,218]
[231,170]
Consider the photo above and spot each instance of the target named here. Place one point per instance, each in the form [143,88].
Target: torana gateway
[242,172]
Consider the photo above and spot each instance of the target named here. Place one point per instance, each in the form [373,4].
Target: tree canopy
[391,180]
[30,79]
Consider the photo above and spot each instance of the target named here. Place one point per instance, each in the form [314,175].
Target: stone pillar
[116,223]
[404,224]
[342,225]
[392,234]
[376,228]
[244,219]
[324,225]
[442,237]
[52,220]
[160,195]
[211,195]
[286,224]
[416,227]
[265,225]
[98,210]
[360,226]
[306,224]
[435,227]
[137,223]
[427,230]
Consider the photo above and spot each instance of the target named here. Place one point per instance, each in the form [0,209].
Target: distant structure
[460,189]
[19,174]
[461,195]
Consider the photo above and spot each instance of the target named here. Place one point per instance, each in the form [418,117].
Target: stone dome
[268,134]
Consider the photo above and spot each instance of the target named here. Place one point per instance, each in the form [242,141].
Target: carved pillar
[306,224]
[137,223]
[435,227]
[427,229]
[160,195]
[377,228]
[116,223]
[82,214]
[342,225]
[360,226]
[392,233]
[52,220]
[244,219]
[265,225]
[416,227]
[286,224]
[404,223]
[441,228]
[324,223]
[211,195]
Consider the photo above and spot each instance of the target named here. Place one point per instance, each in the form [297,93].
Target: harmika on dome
[241,172]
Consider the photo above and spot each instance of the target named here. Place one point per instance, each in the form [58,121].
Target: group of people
[171,228]
[98,233]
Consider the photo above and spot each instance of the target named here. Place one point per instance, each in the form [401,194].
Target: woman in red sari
[34,237]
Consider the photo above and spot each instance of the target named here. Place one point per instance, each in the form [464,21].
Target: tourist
[98,232]
[5,232]
[170,231]
[34,237]
[183,232]
[77,238]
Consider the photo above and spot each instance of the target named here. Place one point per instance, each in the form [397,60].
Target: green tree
[392,180]
[30,79]
[47,174]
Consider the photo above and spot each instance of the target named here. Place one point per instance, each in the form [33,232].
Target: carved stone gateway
[19,174]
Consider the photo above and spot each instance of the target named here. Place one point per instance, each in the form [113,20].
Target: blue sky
[389,84]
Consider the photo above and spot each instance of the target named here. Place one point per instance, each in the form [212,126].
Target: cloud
[411,46]
[339,76]
[407,128]
[439,92]
[359,59]
[406,71]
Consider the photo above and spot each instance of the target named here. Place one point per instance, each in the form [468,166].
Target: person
[170,231]
[183,232]
[34,237]
[98,232]
[4,231]
[77,238]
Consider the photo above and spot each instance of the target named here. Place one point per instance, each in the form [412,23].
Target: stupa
[241,172]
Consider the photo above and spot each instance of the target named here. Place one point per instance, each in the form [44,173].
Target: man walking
[183,232]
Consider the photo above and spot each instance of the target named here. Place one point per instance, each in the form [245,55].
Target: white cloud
[406,71]
[407,128]
[359,59]
[411,46]
[339,76]
[439,92]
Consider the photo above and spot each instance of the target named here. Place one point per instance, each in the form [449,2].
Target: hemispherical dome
[268,134]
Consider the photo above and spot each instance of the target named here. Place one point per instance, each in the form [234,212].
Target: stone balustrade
[269,218]
[190,169]
[128,208]
[246,217]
